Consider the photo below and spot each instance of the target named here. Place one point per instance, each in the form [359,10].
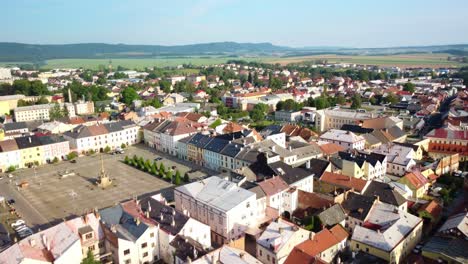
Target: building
[400,159]
[41,112]
[369,166]
[445,142]
[228,209]
[322,247]
[98,137]
[416,182]
[84,108]
[388,233]
[327,119]
[288,116]
[274,189]
[346,139]
[227,255]
[386,194]
[331,182]
[10,155]
[278,240]
[130,239]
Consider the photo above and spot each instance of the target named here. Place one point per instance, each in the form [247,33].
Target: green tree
[154,169]
[165,86]
[90,259]
[129,95]
[126,160]
[162,171]
[390,98]
[356,101]
[56,112]
[122,146]
[107,149]
[373,101]
[340,100]
[42,100]
[177,178]
[410,87]
[11,168]
[276,83]
[216,123]
[168,175]
[55,160]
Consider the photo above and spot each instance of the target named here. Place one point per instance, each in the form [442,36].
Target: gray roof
[332,216]
[125,225]
[216,192]
[455,249]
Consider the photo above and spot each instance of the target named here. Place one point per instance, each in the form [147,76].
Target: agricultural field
[403,61]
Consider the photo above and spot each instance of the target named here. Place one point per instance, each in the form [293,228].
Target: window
[145,254]
[101,244]
[91,248]
[151,234]
[261,252]
[367,249]
[126,252]
[357,245]
[128,261]
[144,245]
[89,236]
[220,219]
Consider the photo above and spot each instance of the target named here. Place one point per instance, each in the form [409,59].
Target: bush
[154,169]
[91,152]
[72,155]
[107,149]
[126,160]
[11,168]
[123,146]
[55,160]
[186,177]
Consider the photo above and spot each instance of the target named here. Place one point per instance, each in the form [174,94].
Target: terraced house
[98,137]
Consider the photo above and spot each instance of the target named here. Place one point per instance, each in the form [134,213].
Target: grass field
[403,61]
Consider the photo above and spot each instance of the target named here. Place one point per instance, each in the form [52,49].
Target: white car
[10,175]
[18,222]
[21,228]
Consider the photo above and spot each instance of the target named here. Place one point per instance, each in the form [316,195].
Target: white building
[346,139]
[289,116]
[335,118]
[84,108]
[228,209]
[98,137]
[400,159]
[40,112]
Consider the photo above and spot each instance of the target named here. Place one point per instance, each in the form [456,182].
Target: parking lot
[49,198]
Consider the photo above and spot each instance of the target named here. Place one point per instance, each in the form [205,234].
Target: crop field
[403,61]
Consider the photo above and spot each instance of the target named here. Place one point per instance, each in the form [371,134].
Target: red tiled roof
[448,134]
[298,256]
[322,241]
[343,181]
[331,148]
[416,179]
[433,208]
[273,186]
[312,200]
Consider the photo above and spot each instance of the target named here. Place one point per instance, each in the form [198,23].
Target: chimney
[70,96]
[30,140]
[173,222]
[137,221]
[377,198]
[32,242]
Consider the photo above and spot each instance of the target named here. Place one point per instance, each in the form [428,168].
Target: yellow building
[31,151]
[389,233]
[417,182]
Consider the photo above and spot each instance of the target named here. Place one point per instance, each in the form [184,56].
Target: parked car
[11,201]
[10,175]
[18,222]
[73,161]
[158,158]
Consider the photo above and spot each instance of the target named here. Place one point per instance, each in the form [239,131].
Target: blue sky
[348,23]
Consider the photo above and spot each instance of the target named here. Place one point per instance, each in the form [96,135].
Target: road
[35,219]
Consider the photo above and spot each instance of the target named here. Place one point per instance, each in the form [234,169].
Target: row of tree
[22,86]
[156,170]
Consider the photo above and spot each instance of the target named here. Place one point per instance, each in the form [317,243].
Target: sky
[294,23]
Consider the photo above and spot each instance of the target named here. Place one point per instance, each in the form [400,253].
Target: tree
[122,146]
[340,100]
[162,171]
[168,175]
[186,177]
[55,160]
[56,112]
[391,98]
[373,100]
[216,123]
[356,101]
[126,160]
[177,178]
[165,86]
[409,87]
[42,100]
[154,169]
[276,83]
[11,168]
[107,149]
[250,78]
[258,112]
[129,95]
[90,259]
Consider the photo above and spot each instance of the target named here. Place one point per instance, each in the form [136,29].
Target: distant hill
[19,52]
[32,52]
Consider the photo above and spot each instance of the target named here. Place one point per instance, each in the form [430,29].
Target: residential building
[386,194]
[274,189]
[369,166]
[327,119]
[322,247]
[98,137]
[278,240]
[227,255]
[288,116]
[388,233]
[40,112]
[346,139]
[357,208]
[330,182]
[228,209]
[129,238]
[445,142]
[84,108]
[416,182]
[400,159]
[10,155]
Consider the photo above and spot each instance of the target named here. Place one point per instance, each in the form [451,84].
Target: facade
[346,139]
[84,108]
[288,116]
[400,159]
[40,112]
[445,142]
[10,155]
[335,118]
[228,209]
[389,233]
[278,240]
[98,137]
[368,166]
